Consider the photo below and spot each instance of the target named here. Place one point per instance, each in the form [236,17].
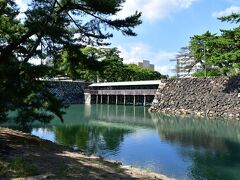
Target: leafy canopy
[48,28]
[218,53]
[104,64]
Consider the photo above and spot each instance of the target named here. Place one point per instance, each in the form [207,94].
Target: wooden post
[116,99]
[96,99]
[134,100]
[124,99]
[101,99]
[107,99]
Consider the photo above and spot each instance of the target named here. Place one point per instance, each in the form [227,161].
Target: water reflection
[215,144]
[92,139]
[197,132]
[185,148]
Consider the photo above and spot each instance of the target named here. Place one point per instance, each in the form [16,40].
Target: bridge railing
[131,92]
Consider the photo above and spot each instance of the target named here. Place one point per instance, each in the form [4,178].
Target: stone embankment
[71,92]
[219,96]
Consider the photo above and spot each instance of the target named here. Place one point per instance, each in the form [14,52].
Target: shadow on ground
[22,155]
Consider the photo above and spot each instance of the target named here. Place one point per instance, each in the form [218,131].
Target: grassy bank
[23,155]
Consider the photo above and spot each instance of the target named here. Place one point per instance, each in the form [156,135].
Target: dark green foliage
[136,73]
[222,51]
[22,92]
[233,18]
[103,64]
[87,137]
[197,44]
[49,29]
[210,73]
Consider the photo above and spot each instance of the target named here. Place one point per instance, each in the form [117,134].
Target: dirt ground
[23,156]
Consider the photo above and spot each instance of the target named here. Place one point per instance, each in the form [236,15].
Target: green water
[184,148]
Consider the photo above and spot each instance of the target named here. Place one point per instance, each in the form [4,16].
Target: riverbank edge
[34,151]
[196,114]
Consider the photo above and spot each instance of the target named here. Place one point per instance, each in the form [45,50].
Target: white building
[145,64]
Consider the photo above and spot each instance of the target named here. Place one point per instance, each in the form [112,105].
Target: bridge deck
[131,92]
[126,83]
[136,92]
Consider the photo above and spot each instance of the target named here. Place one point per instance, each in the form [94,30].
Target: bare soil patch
[23,156]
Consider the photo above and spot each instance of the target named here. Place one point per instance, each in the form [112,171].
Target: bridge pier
[96,99]
[87,98]
[116,99]
[144,100]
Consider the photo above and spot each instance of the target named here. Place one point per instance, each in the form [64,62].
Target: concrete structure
[131,92]
[146,64]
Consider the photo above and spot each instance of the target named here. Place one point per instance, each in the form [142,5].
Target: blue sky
[167,26]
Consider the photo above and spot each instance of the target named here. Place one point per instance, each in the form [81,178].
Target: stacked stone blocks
[219,96]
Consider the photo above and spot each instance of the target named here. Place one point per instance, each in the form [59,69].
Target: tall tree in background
[222,51]
[103,64]
[47,28]
[113,67]
[226,53]
[82,63]
[140,73]
[201,47]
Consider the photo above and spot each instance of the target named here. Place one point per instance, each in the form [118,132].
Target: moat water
[182,148]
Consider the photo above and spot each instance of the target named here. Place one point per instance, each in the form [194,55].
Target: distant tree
[226,55]
[81,63]
[200,45]
[104,63]
[113,66]
[140,73]
[49,29]
[222,51]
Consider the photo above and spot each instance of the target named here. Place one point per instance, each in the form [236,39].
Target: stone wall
[218,96]
[71,92]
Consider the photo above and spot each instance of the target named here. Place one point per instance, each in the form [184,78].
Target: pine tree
[222,51]
[48,29]
[227,51]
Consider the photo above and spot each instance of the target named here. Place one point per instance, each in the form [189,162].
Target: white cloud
[23,7]
[135,52]
[165,69]
[226,12]
[139,51]
[153,10]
